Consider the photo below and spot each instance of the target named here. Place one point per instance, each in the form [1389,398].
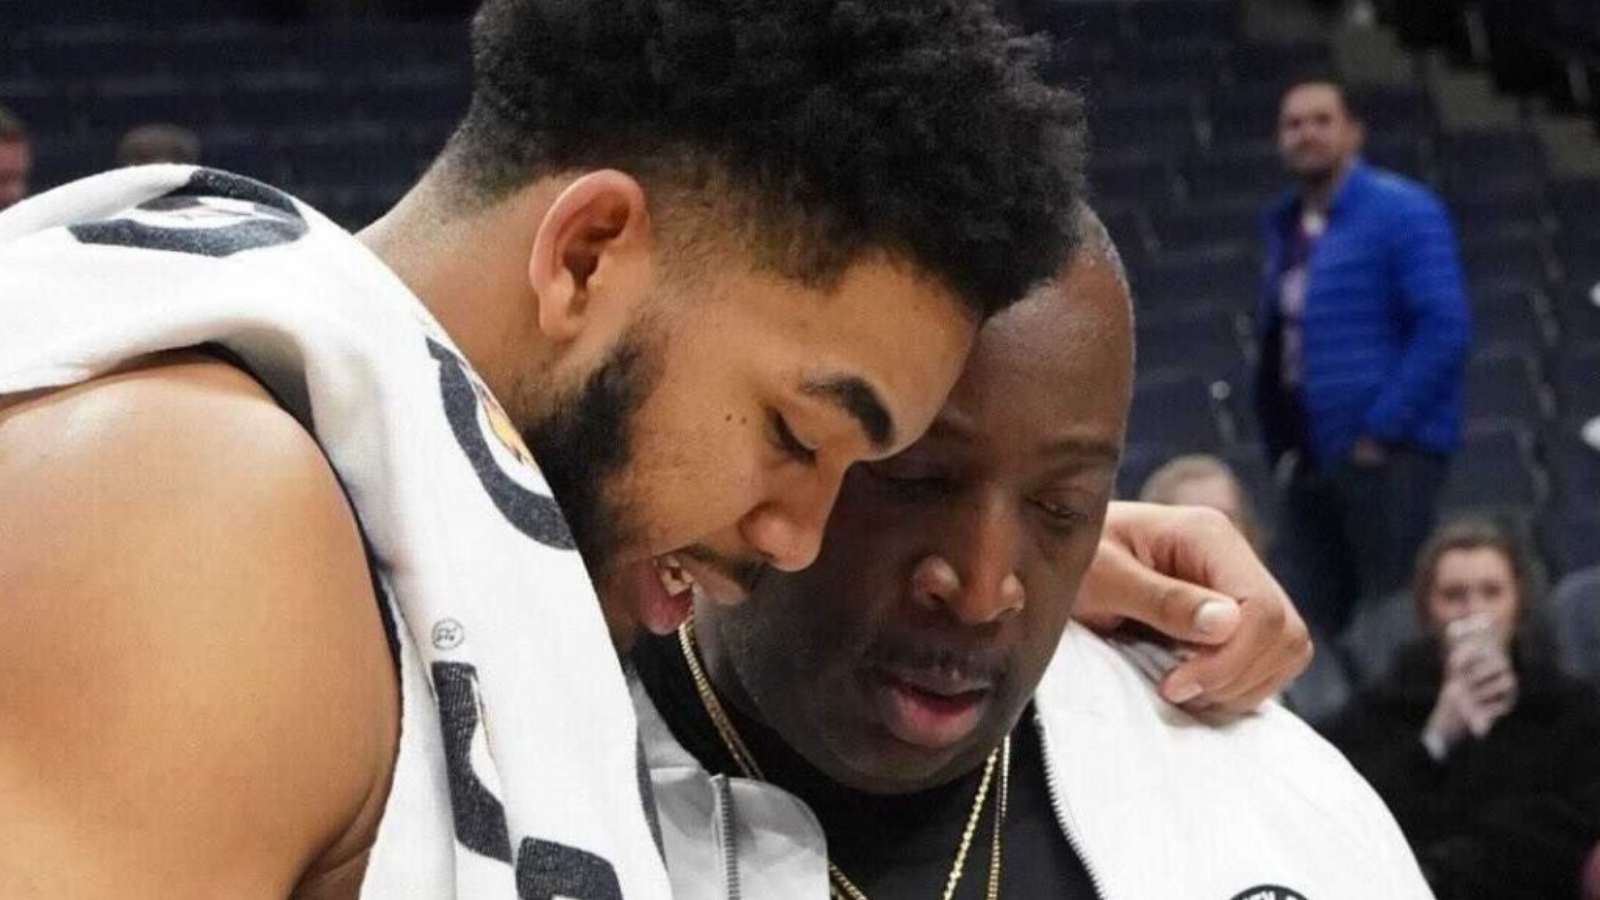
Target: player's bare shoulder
[196,695]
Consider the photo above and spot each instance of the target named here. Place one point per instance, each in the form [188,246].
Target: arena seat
[1576,378]
[1576,204]
[1131,179]
[1197,226]
[1493,471]
[1156,20]
[1204,343]
[1138,120]
[1234,174]
[1173,408]
[1567,537]
[1168,285]
[1276,66]
[1508,316]
[1577,308]
[1505,385]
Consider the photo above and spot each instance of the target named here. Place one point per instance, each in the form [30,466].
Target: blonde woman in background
[1200,479]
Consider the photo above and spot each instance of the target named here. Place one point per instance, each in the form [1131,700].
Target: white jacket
[517,771]
[1157,803]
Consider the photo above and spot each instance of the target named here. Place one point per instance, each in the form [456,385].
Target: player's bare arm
[196,696]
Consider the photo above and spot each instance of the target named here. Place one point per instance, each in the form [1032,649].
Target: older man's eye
[1060,514]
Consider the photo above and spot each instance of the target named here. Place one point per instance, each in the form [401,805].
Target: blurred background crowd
[1364,239]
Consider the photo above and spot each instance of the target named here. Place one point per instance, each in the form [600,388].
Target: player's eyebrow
[857,399]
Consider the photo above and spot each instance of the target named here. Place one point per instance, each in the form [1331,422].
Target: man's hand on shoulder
[195,695]
[1189,574]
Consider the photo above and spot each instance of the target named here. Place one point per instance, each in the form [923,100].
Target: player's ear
[591,257]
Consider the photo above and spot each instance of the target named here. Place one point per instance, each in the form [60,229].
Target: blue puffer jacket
[1386,324]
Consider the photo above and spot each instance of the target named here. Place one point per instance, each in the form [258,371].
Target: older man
[913,715]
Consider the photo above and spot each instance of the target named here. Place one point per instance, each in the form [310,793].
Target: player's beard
[585,444]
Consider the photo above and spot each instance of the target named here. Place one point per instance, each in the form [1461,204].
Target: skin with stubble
[948,572]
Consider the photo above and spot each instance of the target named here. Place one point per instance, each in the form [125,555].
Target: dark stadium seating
[1508,316]
[1499,258]
[346,112]
[1505,386]
[1549,47]
[1158,20]
[1160,66]
[1510,211]
[1567,537]
[1276,66]
[1577,309]
[1404,152]
[1576,379]
[1134,179]
[1173,408]
[1183,114]
[1574,470]
[1199,225]
[1204,343]
[1495,470]
[1576,204]
[1133,121]
[1239,173]
[1172,285]
[1245,113]
[1392,110]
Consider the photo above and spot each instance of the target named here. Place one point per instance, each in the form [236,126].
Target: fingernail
[1214,616]
[1183,691]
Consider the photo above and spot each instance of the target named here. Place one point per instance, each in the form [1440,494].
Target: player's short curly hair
[815,131]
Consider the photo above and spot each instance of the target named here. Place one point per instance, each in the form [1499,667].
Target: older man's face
[903,656]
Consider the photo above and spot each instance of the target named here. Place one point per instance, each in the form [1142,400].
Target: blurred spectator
[1591,432]
[1482,748]
[16,159]
[1575,612]
[1203,480]
[1363,328]
[158,143]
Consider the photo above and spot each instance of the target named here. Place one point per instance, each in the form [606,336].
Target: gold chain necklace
[840,887]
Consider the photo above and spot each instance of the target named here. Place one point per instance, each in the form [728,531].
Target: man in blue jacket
[1363,329]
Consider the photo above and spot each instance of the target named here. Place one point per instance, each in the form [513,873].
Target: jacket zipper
[730,845]
[1062,817]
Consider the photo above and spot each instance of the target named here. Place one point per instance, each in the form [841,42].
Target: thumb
[1118,586]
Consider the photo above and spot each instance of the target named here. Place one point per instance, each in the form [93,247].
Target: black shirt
[891,847]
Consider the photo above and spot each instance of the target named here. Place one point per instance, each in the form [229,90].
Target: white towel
[519,770]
